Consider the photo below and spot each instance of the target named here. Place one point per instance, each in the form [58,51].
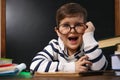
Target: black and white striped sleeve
[92,50]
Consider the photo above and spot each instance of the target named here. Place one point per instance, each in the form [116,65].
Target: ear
[56,30]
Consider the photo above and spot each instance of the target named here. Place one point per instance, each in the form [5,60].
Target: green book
[5,61]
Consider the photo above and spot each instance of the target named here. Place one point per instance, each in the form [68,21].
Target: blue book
[14,71]
[9,73]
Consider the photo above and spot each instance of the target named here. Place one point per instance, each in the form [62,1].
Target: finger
[84,62]
[88,63]
[84,58]
[83,69]
[90,25]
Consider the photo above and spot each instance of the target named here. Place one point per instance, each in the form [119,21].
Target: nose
[72,29]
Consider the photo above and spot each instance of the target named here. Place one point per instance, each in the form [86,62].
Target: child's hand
[90,27]
[80,64]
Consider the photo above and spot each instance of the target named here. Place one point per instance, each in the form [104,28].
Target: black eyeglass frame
[74,27]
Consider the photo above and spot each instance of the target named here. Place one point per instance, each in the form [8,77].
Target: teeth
[73,38]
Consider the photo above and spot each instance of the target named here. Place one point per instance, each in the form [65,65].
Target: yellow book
[109,42]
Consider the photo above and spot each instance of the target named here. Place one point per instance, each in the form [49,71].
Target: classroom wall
[30,24]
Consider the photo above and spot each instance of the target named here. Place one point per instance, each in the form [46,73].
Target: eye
[79,24]
[66,25]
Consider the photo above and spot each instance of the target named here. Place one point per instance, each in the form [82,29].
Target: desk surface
[108,75]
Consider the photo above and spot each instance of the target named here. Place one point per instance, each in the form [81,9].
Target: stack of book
[116,61]
[7,68]
[110,46]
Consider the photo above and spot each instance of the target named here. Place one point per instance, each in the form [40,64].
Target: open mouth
[72,38]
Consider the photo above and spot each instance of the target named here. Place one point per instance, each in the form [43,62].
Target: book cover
[109,42]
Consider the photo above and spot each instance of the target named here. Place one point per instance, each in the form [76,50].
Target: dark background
[30,24]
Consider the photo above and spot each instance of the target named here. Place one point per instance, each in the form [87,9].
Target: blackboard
[30,24]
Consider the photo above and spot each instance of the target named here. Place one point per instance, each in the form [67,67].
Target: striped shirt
[54,57]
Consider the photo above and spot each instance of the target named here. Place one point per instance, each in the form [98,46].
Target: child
[76,50]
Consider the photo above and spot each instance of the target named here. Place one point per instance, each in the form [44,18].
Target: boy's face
[72,40]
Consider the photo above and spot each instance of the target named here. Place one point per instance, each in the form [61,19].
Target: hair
[70,10]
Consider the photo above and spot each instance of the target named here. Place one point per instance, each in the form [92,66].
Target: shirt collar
[63,47]
[61,43]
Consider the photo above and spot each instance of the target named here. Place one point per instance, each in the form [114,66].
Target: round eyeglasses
[66,28]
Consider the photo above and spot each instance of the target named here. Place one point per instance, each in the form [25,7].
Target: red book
[6,65]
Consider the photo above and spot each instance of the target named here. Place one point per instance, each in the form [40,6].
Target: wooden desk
[109,75]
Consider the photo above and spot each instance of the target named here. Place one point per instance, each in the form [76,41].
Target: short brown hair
[70,10]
